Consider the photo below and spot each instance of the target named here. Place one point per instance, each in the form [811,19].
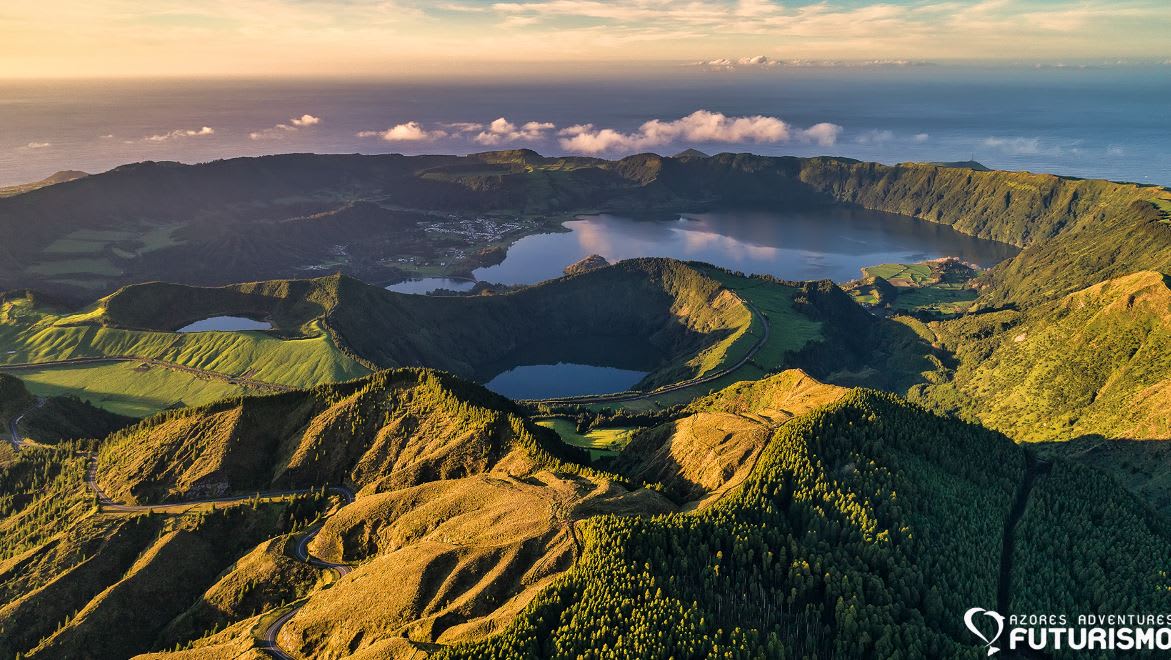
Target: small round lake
[431,284]
[542,381]
[226,324]
[827,243]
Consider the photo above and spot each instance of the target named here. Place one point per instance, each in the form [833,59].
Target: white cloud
[1015,145]
[757,61]
[279,131]
[700,127]
[38,145]
[875,137]
[501,130]
[920,138]
[180,134]
[463,126]
[411,131]
[824,134]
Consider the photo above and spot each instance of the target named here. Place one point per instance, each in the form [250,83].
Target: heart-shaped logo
[970,622]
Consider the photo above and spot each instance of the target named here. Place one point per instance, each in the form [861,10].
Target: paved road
[301,552]
[109,505]
[215,375]
[619,397]
[14,426]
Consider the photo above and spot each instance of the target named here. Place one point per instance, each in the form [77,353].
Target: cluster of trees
[866,527]
[1085,545]
[42,491]
[587,419]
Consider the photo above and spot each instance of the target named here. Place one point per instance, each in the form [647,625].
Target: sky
[400,38]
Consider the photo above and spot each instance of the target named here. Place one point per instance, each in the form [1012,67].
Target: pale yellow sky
[101,38]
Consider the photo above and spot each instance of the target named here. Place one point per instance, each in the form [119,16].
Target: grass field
[78,265]
[789,330]
[30,336]
[900,274]
[936,298]
[599,442]
[933,286]
[126,388]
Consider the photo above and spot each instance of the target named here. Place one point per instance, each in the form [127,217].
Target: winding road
[618,397]
[301,552]
[14,425]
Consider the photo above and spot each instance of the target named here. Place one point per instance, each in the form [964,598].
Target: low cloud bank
[699,127]
[282,130]
[180,133]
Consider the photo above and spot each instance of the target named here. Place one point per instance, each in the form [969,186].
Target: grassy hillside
[394,428]
[281,216]
[428,451]
[171,562]
[49,420]
[865,527]
[1096,362]
[704,454]
[685,323]
[671,319]
[55,178]
[173,369]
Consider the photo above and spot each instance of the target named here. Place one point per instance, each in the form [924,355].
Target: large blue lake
[830,243]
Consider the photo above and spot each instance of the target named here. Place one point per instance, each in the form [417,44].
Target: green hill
[52,419]
[865,530]
[1097,362]
[399,427]
[282,216]
[439,463]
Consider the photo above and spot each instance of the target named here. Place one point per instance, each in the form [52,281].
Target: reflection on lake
[827,243]
[429,284]
[542,381]
[226,323]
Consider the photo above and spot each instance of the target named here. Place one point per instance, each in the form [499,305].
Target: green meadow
[599,442]
[30,336]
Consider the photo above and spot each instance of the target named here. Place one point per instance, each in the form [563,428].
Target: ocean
[1103,122]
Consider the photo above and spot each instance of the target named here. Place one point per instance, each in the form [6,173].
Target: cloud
[875,137]
[701,126]
[920,138]
[463,126]
[766,62]
[411,131]
[279,131]
[179,134]
[37,145]
[502,130]
[1115,150]
[824,134]
[757,61]
[1016,146]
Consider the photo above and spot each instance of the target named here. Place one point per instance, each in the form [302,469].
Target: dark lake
[542,381]
[828,243]
[429,284]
